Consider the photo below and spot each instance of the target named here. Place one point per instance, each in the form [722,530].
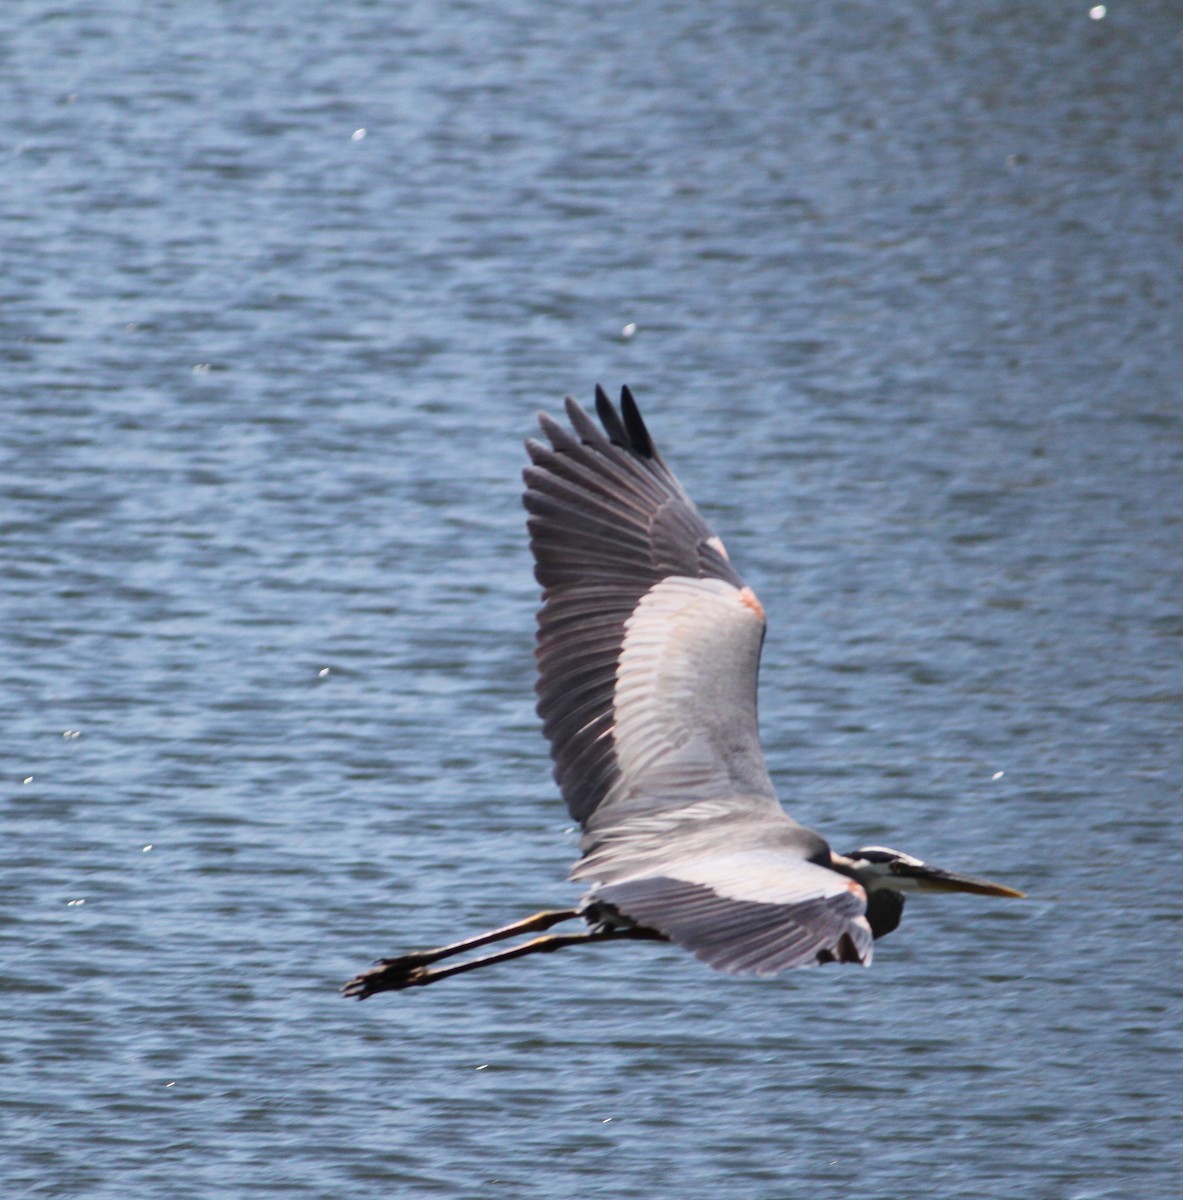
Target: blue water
[906,288]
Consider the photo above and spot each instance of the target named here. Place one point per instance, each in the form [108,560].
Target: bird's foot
[389,975]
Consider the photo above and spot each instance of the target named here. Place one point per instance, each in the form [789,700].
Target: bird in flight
[648,653]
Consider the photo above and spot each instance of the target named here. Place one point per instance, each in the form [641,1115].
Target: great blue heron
[648,650]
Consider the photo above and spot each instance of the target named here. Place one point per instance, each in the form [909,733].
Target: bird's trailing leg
[421,976]
[407,970]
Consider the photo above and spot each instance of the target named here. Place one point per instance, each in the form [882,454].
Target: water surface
[281,293]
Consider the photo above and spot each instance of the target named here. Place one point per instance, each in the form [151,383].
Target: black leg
[394,973]
[420,976]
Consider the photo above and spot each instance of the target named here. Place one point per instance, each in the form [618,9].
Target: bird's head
[878,867]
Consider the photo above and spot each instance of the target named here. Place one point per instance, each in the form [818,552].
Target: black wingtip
[610,420]
[638,435]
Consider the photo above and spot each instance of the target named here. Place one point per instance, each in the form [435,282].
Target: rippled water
[281,291]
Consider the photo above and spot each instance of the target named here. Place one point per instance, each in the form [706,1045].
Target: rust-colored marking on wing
[748,599]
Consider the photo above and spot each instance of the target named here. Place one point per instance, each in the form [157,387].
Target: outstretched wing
[648,640]
[751,911]
[648,653]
